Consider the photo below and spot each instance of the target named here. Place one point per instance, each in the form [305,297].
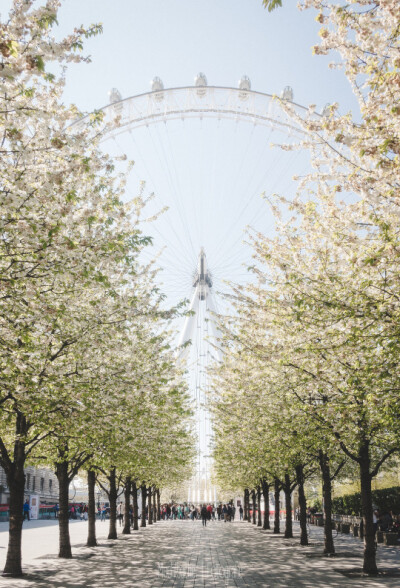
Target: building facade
[40,481]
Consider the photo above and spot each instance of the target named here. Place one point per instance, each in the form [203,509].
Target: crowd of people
[205,512]
[78,511]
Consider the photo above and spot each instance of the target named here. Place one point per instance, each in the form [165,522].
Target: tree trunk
[259,523]
[154,506]
[288,506]
[127,515]
[135,506]
[63,515]
[302,505]
[369,564]
[329,546]
[16,484]
[158,505]
[149,503]
[113,495]
[276,517]
[246,505]
[143,493]
[91,540]
[253,498]
[265,491]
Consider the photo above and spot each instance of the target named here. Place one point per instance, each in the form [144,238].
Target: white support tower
[200,330]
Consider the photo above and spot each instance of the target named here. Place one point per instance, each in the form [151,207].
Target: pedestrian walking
[120,513]
[204,515]
[27,510]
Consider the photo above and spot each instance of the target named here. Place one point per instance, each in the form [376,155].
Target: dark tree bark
[287,488]
[369,564]
[253,498]
[63,515]
[154,506]
[127,515]
[259,522]
[113,495]
[277,488]
[265,491]
[143,492]
[135,506]
[158,505]
[16,483]
[149,503]
[246,509]
[329,546]
[302,505]
[91,540]
[66,470]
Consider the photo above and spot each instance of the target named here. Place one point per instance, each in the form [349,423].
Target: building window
[27,481]
[50,486]
[41,484]
[33,483]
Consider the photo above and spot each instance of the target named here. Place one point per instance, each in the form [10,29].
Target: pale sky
[175,39]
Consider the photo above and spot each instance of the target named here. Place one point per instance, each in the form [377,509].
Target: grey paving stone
[182,554]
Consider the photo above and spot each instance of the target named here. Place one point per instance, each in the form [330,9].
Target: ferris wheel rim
[177,88]
[204,110]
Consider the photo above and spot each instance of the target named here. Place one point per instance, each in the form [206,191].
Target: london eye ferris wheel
[205,151]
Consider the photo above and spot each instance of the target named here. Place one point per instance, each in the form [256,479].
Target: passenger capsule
[114,95]
[326,110]
[158,87]
[244,86]
[287,94]
[200,81]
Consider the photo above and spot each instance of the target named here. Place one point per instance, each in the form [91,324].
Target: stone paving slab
[184,554]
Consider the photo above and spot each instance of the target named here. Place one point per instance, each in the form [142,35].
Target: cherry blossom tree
[327,283]
[73,291]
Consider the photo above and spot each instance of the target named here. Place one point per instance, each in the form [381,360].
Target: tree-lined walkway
[184,554]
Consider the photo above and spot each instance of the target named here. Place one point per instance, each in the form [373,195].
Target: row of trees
[310,375]
[87,376]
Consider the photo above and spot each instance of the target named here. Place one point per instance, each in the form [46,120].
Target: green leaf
[272,4]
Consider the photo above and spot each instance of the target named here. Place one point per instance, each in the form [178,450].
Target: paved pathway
[183,554]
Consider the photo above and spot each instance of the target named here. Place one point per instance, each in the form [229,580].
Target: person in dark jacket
[204,515]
